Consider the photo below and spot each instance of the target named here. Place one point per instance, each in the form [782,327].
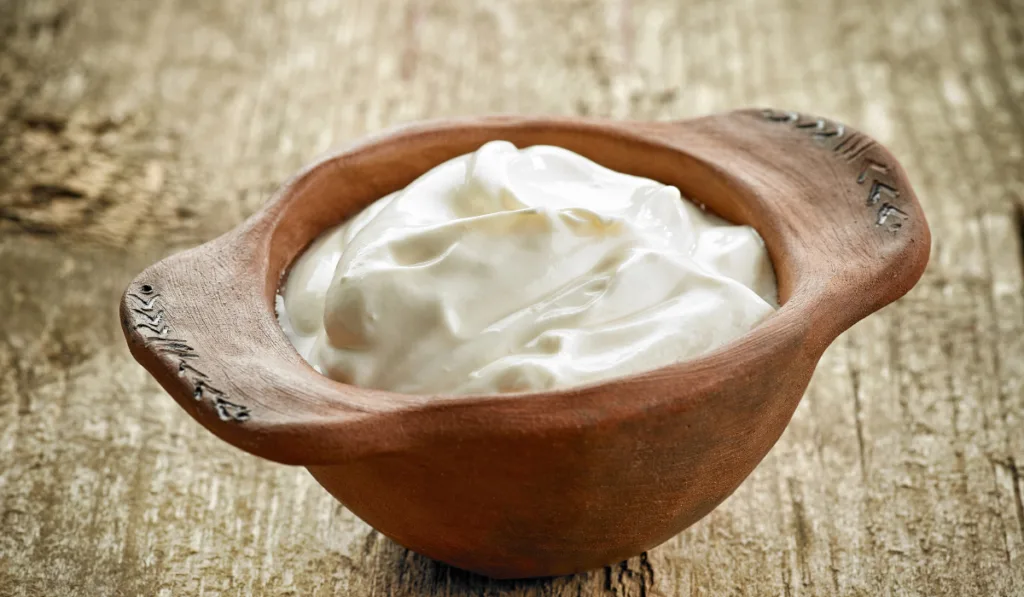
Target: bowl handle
[835,208]
[202,324]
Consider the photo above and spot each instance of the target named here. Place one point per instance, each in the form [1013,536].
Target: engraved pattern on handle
[851,146]
[159,337]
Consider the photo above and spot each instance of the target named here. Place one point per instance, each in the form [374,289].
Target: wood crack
[858,420]
[624,579]
[1015,476]
[26,226]
[1018,225]
[647,571]
[21,383]
[801,528]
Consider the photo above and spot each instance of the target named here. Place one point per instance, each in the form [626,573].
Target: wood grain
[131,130]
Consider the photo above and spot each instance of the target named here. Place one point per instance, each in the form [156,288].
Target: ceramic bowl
[543,483]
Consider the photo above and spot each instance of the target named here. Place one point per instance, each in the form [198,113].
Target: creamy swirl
[509,270]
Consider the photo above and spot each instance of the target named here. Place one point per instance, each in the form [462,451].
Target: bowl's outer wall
[554,482]
[544,505]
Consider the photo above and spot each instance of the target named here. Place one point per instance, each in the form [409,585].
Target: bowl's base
[497,540]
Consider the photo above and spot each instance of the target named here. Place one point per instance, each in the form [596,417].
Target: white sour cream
[509,270]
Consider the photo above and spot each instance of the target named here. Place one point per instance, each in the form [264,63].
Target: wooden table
[129,130]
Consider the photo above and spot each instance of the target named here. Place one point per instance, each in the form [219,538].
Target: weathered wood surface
[131,129]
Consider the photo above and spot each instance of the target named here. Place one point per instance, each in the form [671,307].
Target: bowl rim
[714,150]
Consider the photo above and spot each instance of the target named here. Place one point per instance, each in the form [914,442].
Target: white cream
[512,270]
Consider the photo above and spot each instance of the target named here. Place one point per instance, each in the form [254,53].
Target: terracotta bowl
[542,483]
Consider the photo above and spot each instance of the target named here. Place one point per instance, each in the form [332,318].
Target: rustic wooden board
[131,129]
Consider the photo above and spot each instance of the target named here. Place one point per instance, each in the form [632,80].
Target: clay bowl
[543,483]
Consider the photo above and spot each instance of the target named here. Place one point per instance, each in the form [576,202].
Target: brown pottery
[542,483]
